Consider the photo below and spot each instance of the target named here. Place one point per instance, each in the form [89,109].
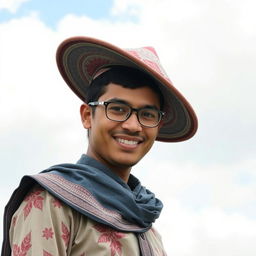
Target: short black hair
[126,77]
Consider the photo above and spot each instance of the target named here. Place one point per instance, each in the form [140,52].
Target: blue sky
[51,11]
[208,184]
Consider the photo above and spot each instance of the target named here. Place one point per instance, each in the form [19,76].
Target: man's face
[120,145]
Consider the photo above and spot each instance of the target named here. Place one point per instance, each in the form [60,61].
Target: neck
[122,171]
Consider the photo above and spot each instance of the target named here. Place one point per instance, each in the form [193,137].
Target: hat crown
[149,57]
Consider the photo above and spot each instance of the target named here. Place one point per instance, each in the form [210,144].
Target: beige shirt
[43,225]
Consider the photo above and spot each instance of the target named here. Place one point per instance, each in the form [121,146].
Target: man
[96,206]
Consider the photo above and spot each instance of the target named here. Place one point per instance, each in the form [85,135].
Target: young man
[96,206]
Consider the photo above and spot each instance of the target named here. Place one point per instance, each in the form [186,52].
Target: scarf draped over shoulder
[95,191]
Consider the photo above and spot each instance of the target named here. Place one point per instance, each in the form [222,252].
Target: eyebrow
[118,100]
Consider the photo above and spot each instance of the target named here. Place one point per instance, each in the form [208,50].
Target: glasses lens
[149,117]
[117,111]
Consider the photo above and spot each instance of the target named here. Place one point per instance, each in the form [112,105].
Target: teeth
[128,142]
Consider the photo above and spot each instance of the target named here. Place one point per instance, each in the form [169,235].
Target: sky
[208,183]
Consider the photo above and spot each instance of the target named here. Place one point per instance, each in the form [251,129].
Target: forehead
[137,97]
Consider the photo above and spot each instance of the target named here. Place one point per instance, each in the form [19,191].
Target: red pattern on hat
[150,48]
[94,65]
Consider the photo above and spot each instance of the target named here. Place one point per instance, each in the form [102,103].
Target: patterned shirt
[43,225]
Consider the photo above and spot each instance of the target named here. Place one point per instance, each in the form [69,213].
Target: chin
[126,163]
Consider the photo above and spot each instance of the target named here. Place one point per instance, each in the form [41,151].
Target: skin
[110,141]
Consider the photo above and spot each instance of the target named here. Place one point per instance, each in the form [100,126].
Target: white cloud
[126,8]
[11,5]
[208,210]
[230,187]
[207,48]
[211,232]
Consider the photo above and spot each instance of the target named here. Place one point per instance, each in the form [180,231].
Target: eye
[151,114]
[116,108]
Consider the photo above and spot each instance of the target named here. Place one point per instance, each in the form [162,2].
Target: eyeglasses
[120,112]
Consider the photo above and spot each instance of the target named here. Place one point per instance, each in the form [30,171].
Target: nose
[132,123]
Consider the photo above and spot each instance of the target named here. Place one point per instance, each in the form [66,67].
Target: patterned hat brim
[79,58]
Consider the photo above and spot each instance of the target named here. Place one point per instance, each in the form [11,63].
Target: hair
[126,77]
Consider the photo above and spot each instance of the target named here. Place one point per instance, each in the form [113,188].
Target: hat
[80,58]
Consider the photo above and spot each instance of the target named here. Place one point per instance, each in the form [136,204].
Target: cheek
[101,128]
[152,133]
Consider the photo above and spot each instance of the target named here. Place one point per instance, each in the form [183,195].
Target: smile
[127,142]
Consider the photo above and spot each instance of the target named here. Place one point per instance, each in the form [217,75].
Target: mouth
[128,142]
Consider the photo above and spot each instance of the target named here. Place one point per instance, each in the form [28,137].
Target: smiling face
[120,145]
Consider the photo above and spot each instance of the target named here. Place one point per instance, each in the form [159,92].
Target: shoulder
[42,223]
[41,203]
[42,219]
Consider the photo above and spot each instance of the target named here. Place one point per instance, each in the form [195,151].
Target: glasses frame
[136,110]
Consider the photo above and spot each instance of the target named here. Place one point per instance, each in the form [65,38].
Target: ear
[86,115]
[160,124]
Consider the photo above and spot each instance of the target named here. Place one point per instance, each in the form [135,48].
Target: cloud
[211,232]
[36,105]
[230,187]
[208,49]
[11,5]
[209,209]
